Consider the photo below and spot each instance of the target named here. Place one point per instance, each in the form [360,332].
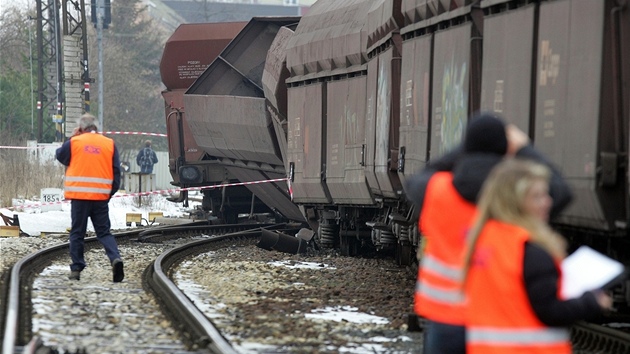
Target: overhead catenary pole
[100,16]
[30,57]
[58,117]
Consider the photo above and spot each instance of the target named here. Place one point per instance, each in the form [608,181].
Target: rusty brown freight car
[229,118]
[563,81]
[344,61]
[187,53]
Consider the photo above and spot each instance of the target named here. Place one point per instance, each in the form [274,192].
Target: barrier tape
[22,147]
[163,191]
[107,133]
[134,133]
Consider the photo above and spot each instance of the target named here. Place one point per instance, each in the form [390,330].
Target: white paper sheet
[586,269]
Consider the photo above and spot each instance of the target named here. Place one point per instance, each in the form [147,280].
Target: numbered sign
[51,199]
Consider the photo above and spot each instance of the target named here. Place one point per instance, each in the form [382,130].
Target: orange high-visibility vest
[90,174]
[444,222]
[500,318]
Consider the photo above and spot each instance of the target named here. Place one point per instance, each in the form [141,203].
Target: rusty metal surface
[415,11]
[274,85]
[573,113]
[370,127]
[274,195]
[233,127]
[345,176]
[508,62]
[568,97]
[191,48]
[415,103]
[179,144]
[387,122]
[330,39]
[383,19]
[304,143]
[276,73]
[225,107]
[451,75]
[239,68]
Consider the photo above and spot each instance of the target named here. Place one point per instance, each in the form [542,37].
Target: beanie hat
[486,133]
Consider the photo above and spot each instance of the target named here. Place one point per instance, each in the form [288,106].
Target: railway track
[197,332]
[17,288]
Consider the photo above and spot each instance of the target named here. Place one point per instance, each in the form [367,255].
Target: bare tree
[16,101]
[133,47]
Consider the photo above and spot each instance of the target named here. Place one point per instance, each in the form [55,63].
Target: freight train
[188,52]
[353,98]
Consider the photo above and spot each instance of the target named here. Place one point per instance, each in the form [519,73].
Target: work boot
[74,275]
[117,268]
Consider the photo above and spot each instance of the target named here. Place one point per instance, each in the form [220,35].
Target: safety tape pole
[163,191]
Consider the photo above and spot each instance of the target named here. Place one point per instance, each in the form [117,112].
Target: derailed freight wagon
[231,121]
[187,53]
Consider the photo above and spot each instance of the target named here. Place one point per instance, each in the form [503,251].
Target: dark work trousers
[98,212]
[441,338]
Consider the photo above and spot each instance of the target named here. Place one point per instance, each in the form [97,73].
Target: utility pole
[76,71]
[47,68]
[60,76]
[100,16]
[58,117]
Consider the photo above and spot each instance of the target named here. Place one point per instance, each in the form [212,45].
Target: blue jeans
[441,338]
[98,212]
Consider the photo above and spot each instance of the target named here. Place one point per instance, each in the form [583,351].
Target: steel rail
[201,331]
[14,297]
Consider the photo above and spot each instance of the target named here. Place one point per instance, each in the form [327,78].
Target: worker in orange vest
[512,267]
[445,194]
[92,177]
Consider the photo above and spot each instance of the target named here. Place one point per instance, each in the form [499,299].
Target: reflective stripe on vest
[517,337]
[444,220]
[445,296]
[104,191]
[431,264]
[89,180]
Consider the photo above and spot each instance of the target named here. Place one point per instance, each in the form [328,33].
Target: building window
[291,2]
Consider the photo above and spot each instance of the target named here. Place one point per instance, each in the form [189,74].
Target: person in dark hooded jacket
[146,158]
[445,194]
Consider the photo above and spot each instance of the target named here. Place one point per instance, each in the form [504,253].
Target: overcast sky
[5,4]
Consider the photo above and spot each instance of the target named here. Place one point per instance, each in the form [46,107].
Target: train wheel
[348,246]
[404,254]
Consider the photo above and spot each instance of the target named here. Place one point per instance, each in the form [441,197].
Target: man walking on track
[92,177]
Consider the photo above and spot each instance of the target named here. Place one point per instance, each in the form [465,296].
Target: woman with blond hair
[512,268]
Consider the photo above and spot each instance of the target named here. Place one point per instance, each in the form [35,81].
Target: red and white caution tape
[163,191]
[22,147]
[106,133]
[134,133]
